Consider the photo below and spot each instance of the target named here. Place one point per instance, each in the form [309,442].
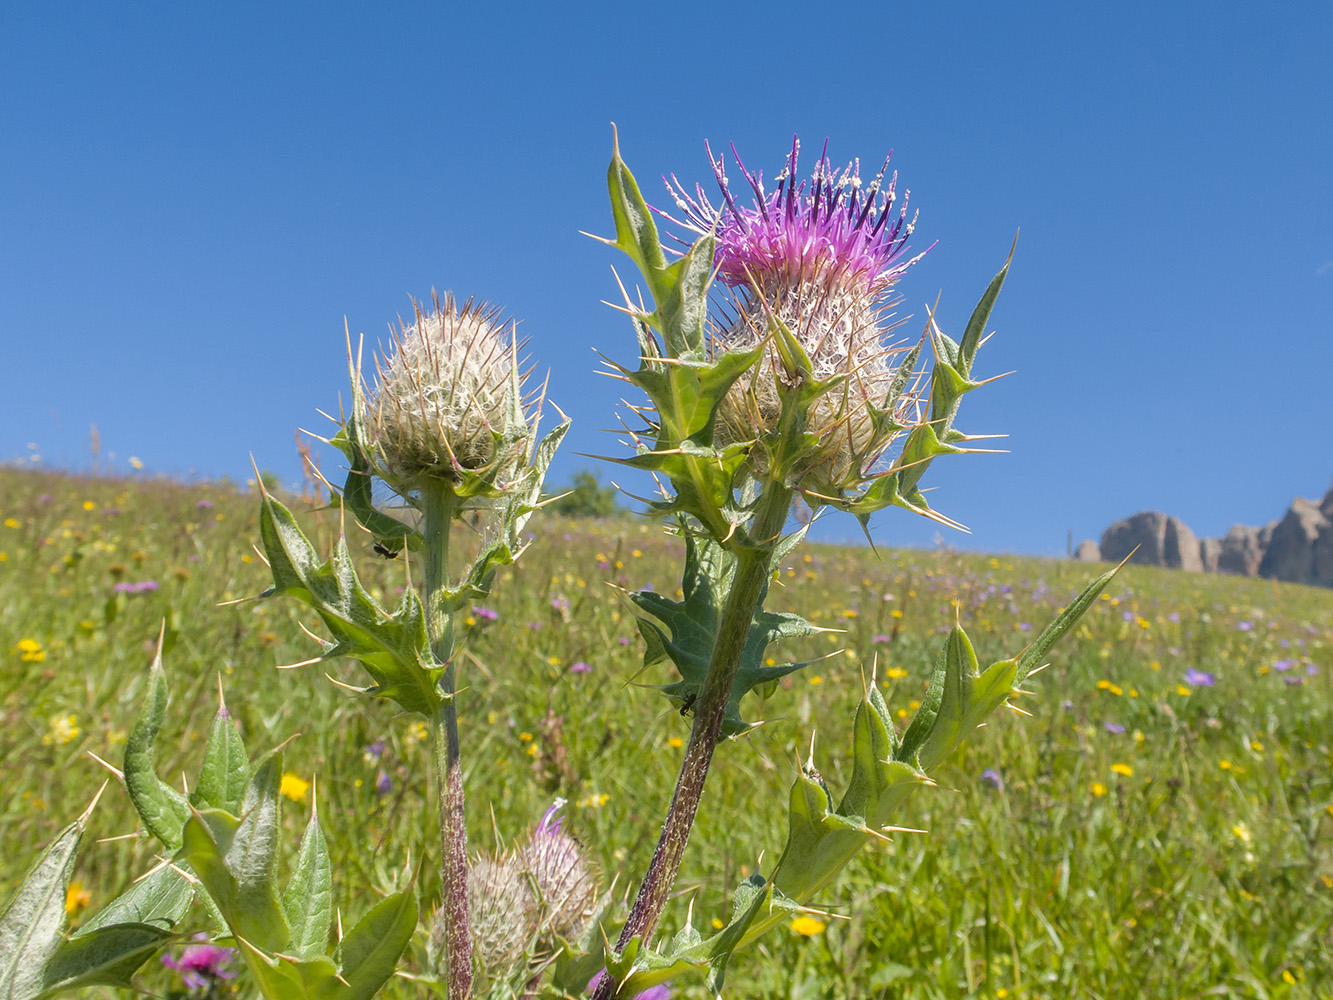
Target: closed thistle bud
[501,913]
[820,257]
[448,402]
[559,869]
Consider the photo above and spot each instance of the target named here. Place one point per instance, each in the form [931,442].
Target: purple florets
[1199,678]
[202,964]
[831,229]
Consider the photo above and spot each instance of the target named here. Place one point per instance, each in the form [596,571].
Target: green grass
[1205,870]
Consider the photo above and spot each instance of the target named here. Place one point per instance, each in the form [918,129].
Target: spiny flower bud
[820,257]
[448,401]
[566,888]
[501,913]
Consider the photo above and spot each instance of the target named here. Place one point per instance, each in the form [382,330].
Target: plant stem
[747,587]
[440,505]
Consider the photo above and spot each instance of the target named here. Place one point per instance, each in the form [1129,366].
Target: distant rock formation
[1298,548]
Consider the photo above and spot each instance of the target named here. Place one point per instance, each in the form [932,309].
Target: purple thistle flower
[201,964]
[831,229]
[550,821]
[992,777]
[204,505]
[485,614]
[1199,678]
[579,667]
[881,638]
[819,257]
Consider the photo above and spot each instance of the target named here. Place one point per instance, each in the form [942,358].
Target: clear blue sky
[193,196]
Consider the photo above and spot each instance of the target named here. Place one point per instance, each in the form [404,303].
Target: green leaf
[160,899]
[393,649]
[32,921]
[357,495]
[162,808]
[308,901]
[976,324]
[636,234]
[370,952]
[1031,657]
[108,956]
[685,631]
[226,769]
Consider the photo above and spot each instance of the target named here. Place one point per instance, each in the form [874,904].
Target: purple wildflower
[831,229]
[1127,615]
[143,586]
[201,964]
[1312,669]
[1025,626]
[875,640]
[1282,666]
[551,820]
[1245,626]
[992,777]
[373,752]
[383,784]
[1199,678]
[204,505]
[1113,727]
[579,667]
[623,640]
[660,992]
[485,614]
[1174,617]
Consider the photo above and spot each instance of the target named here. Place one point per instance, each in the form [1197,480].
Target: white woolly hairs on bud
[446,392]
[842,329]
[501,912]
[566,887]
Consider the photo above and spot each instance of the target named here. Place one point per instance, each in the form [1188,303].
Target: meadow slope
[1145,833]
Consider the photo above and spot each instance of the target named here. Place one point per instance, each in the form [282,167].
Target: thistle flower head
[818,257]
[501,914]
[448,402]
[832,230]
[559,869]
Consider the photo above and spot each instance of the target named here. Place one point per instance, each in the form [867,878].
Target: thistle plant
[449,429]
[784,383]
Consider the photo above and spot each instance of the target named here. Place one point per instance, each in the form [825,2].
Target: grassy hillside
[1140,835]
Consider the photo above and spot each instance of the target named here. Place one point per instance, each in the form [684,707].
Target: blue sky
[193,197]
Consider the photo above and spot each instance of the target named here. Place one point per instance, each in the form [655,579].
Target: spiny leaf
[108,956]
[308,900]
[162,808]
[393,649]
[32,921]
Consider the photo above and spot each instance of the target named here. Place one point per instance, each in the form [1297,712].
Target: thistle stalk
[439,505]
[753,567]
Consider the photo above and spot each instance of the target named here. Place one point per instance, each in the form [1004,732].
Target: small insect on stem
[385,551]
[688,703]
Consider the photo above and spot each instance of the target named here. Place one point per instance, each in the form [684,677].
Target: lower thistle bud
[559,870]
[501,912]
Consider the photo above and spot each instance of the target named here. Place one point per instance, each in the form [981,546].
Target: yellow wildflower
[30,651]
[76,898]
[1123,769]
[675,742]
[294,787]
[63,729]
[895,673]
[1098,789]
[807,926]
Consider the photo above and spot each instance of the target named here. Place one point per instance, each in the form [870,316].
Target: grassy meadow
[1142,834]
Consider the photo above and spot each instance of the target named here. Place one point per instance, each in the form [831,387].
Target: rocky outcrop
[1306,532]
[1088,551]
[1242,549]
[1298,548]
[1155,539]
